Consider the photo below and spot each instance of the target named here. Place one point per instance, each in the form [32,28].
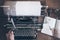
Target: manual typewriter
[23,19]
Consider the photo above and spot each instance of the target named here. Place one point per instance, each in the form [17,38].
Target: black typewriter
[25,27]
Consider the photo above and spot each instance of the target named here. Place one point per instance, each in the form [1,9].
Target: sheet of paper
[57,29]
[49,25]
[28,8]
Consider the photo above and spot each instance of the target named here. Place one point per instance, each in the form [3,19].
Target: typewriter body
[23,19]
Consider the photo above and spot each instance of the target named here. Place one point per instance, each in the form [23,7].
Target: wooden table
[41,36]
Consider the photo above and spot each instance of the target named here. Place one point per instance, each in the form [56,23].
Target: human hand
[10,35]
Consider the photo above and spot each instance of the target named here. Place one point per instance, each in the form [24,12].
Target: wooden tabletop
[41,36]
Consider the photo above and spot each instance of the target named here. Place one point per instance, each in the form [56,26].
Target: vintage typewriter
[23,18]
